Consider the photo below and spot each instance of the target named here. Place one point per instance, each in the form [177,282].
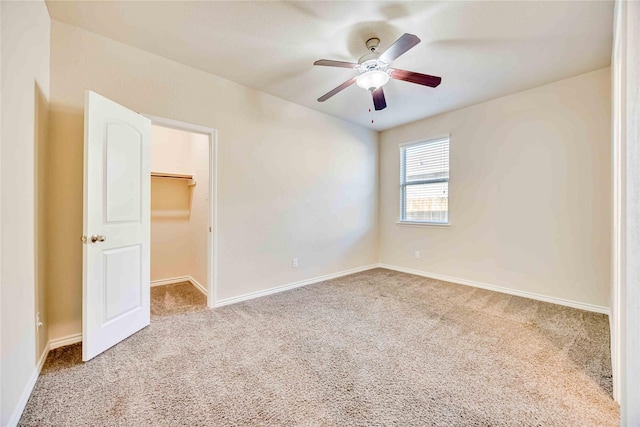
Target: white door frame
[212,256]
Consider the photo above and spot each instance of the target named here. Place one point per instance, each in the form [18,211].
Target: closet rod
[171,175]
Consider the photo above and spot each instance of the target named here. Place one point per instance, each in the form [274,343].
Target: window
[424,181]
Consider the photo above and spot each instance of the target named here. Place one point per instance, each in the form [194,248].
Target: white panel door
[115,288]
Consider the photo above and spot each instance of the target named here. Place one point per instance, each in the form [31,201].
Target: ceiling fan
[375,71]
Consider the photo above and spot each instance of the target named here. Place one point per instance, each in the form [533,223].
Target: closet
[179,219]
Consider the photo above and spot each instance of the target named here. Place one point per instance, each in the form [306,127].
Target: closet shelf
[175,176]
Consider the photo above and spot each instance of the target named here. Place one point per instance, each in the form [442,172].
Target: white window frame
[403,185]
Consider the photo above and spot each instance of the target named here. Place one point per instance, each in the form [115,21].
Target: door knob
[98,238]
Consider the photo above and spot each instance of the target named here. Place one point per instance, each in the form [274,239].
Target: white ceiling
[481,49]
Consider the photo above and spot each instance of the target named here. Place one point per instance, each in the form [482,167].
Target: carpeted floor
[375,348]
[176,298]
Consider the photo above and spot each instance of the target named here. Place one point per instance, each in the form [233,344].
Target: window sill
[423,224]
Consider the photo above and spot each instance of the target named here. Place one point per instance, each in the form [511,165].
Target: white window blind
[424,181]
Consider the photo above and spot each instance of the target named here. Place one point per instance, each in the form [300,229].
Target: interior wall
[529,196]
[170,204]
[42,222]
[179,212]
[292,182]
[170,228]
[199,218]
[24,48]
[625,319]
[170,150]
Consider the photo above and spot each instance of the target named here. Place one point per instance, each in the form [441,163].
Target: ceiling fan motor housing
[372,64]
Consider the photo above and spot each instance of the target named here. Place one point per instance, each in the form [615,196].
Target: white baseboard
[180,279]
[169,281]
[63,341]
[198,286]
[282,288]
[503,290]
[26,394]
[24,398]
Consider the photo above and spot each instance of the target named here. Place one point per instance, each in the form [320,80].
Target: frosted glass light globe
[372,80]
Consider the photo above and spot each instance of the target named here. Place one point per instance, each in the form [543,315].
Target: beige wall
[170,228]
[199,218]
[171,150]
[179,213]
[42,221]
[292,182]
[25,92]
[170,204]
[530,193]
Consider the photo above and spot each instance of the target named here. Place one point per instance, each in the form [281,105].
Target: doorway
[181,217]
[117,220]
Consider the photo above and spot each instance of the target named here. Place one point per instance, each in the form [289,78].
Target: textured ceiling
[482,50]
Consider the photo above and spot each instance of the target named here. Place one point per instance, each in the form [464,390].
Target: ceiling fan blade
[400,46]
[336,90]
[330,63]
[418,78]
[379,102]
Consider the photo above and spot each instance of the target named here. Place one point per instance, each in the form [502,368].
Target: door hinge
[209,229]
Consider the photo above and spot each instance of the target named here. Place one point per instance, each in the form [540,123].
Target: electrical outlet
[38,321]
[417,254]
[294,263]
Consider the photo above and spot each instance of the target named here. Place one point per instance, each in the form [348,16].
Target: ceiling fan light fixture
[372,80]
[375,72]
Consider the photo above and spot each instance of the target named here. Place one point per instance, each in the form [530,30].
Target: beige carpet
[176,298]
[376,348]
